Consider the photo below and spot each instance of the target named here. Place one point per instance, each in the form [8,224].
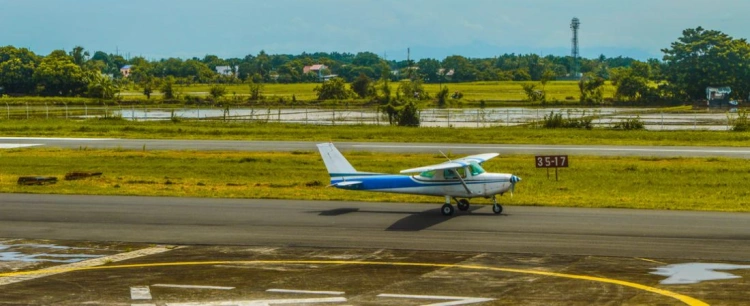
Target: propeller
[513,180]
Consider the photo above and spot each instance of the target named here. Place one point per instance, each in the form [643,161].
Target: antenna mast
[575,69]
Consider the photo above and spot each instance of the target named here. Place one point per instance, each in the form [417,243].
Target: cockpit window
[449,174]
[428,174]
[475,169]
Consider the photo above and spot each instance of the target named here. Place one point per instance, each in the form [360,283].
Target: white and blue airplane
[458,179]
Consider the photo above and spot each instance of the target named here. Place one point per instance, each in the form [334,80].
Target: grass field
[647,183]
[118,128]
[491,92]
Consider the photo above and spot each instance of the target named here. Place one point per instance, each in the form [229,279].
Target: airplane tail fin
[336,163]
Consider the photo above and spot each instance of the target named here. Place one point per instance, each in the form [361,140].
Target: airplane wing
[458,163]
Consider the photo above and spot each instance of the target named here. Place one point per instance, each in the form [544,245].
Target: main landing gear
[463,205]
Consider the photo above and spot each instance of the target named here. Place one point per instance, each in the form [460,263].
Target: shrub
[741,124]
[630,124]
[556,120]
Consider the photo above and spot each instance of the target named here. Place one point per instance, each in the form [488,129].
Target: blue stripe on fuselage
[405,181]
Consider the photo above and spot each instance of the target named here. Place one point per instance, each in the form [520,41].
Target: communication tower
[575,68]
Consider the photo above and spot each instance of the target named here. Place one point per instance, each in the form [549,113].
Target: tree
[148,84]
[79,55]
[217,91]
[256,90]
[408,114]
[17,70]
[367,59]
[167,88]
[333,89]
[413,89]
[702,58]
[430,69]
[464,70]
[532,94]
[442,97]
[363,86]
[57,74]
[100,86]
[591,89]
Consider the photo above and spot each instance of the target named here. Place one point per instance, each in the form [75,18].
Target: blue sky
[431,28]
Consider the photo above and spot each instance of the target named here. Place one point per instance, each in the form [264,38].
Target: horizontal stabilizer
[352,185]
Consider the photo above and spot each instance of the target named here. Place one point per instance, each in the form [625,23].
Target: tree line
[699,58]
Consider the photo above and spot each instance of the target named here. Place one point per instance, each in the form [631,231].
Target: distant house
[317,69]
[328,77]
[450,73]
[718,96]
[227,70]
[125,70]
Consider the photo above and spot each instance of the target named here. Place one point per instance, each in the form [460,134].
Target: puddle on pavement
[693,273]
[30,253]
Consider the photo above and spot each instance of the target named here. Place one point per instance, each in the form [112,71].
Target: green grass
[492,92]
[715,184]
[118,128]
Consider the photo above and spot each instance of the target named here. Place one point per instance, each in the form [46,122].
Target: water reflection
[27,253]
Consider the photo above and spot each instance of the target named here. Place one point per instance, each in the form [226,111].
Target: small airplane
[458,179]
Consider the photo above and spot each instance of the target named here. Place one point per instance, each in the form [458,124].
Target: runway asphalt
[457,148]
[547,230]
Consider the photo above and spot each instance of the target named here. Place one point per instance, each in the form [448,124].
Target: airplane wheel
[447,210]
[463,204]
[497,208]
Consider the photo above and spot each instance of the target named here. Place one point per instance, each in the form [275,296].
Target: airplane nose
[514,179]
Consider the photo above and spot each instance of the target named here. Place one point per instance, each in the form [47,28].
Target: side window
[428,174]
[450,175]
[461,172]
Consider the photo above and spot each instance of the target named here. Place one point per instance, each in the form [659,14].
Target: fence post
[449,117]
[132,112]
[279,115]
[27,110]
[66,111]
[507,117]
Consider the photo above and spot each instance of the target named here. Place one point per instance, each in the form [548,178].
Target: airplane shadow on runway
[413,222]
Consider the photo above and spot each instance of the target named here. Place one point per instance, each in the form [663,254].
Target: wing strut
[462,180]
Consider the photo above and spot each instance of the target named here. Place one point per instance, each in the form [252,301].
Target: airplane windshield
[475,169]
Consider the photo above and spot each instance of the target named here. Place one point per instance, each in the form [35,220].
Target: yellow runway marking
[683,298]
[651,260]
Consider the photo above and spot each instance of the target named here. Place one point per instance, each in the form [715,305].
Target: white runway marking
[263,302]
[558,148]
[455,300]
[54,138]
[192,286]
[84,264]
[17,145]
[305,291]
[140,293]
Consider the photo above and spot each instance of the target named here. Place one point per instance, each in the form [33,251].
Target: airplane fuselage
[482,185]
